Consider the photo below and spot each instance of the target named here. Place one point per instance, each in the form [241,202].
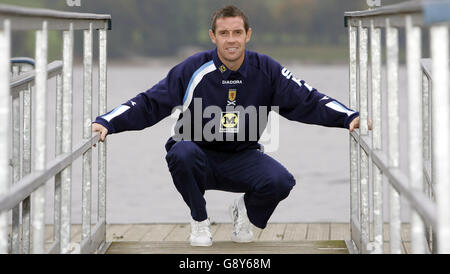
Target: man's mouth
[231,49]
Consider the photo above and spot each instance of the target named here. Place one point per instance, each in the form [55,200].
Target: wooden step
[228,247]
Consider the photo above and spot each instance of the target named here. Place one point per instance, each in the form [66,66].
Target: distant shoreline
[288,55]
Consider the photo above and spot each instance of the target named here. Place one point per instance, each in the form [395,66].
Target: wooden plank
[259,247]
[75,233]
[158,232]
[406,232]
[223,232]
[272,232]
[387,248]
[48,233]
[386,233]
[340,231]
[256,233]
[214,227]
[136,232]
[295,232]
[115,232]
[406,247]
[318,232]
[180,232]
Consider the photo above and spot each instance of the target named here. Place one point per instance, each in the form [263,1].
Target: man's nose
[231,38]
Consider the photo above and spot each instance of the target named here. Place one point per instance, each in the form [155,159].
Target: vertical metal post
[38,197]
[393,132]
[102,109]
[413,48]
[441,132]
[87,133]
[375,45]
[26,169]
[364,158]
[354,204]
[427,181]
[364,179]
[15,241]
[5,48]
[426,130]
[58,151]
[363,79]
[426,117]
[66,174]
[395,222]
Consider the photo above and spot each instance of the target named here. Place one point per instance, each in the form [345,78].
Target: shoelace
[200,227]
[239,220]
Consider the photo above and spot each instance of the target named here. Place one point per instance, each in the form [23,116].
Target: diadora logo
[231,82]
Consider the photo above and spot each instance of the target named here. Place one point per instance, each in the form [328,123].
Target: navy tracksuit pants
[264,181]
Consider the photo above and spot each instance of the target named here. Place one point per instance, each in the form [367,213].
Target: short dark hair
[229,11]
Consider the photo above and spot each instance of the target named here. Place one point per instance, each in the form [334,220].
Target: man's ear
[249,35]
[212,36]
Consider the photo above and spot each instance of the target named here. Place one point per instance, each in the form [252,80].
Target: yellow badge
[232,94]
[222,68]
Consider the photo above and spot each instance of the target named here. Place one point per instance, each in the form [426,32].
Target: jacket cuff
[349,119]
[105,123]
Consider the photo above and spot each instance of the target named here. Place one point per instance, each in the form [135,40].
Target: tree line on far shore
[156,28]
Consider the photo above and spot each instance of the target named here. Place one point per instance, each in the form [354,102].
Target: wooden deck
[276,238]
[283,238]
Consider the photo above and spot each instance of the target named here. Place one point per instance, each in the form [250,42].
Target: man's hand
[99,128]
[355,124]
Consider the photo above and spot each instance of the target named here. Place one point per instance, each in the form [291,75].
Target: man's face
[230,38]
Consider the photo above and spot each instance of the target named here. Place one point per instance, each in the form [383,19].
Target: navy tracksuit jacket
[198,163]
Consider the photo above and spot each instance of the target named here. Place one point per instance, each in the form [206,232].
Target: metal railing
[427,132]
[23,162]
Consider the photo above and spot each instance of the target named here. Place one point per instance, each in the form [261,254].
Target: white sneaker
[242,228]
[200,233]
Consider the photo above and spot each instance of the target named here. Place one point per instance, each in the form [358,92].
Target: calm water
[140,188]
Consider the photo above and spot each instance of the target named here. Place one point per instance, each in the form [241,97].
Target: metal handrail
[23,18]
[20,82]
[430,11]
[22,61]
[28,188]
[428,130]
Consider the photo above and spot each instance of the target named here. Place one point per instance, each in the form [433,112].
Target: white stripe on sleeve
[116,112]
[338,107]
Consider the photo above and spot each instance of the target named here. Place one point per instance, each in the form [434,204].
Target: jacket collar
[227,72]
